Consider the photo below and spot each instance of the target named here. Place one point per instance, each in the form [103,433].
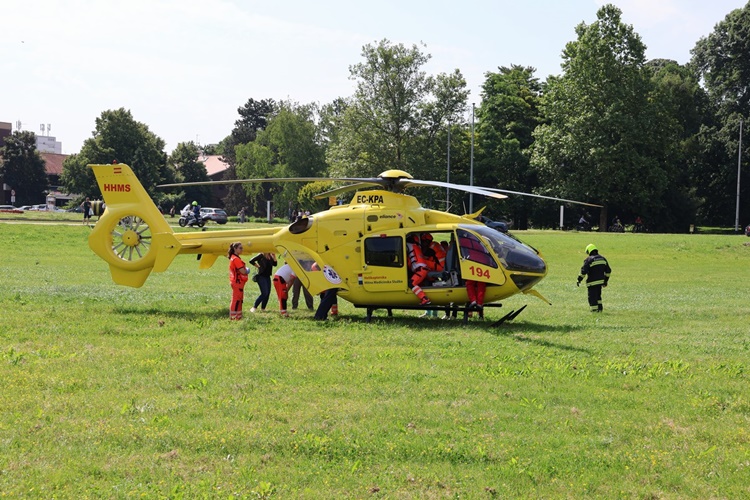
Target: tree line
[651,139]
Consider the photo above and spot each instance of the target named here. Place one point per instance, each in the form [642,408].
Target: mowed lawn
[107,391]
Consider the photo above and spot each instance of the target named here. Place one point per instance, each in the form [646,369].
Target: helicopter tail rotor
[132,236]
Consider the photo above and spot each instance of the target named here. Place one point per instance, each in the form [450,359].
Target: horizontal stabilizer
[168,247]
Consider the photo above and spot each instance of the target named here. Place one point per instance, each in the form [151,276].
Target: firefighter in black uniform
[597,270]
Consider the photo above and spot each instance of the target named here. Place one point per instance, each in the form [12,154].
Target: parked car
[218,215]
[10,208]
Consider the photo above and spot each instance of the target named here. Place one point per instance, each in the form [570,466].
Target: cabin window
[304,260]
[301,225]
[386,251]
[474,250]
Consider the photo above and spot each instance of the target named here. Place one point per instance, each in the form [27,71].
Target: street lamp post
[471,168]
[739,164]
[448,176]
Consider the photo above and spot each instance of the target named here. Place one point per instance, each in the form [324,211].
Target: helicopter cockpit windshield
[515,255]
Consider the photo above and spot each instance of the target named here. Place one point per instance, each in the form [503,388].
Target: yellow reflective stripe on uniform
[597,263]
[597,282]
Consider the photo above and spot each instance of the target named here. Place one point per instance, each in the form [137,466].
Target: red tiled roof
[213,164]
[53,162]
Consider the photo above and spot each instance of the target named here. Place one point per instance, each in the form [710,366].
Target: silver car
[218,215]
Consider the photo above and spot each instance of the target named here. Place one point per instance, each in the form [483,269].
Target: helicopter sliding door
[476,260]
[383,264]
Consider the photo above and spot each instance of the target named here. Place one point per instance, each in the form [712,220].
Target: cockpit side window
[385,252]
[473,249]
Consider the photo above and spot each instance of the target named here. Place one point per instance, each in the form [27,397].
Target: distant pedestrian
[597,272]
[86,207]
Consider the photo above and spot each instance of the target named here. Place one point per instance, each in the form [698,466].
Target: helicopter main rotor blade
[346,189]
[374,181]
[545,197]
[405,183]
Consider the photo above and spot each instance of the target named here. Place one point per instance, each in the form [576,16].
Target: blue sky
[183,67]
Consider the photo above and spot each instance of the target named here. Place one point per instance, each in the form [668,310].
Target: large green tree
[604,139]
[722,63]
[396,113]
[119,137]
[288,147]
[254,116]
[508,116]
[23,169]
[678,91]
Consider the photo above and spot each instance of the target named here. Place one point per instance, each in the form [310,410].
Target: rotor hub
[131,238]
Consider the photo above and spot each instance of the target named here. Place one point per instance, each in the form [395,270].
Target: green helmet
[195,203]
[590,248]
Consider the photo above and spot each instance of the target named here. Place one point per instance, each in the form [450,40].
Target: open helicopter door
[383,264]
[476,260]
[314,273]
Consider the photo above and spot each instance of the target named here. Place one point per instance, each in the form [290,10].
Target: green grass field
[113,392]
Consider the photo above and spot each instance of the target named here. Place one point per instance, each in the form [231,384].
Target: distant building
[46,144]
[53,164]
[50,150]
[215,168]
[5,130]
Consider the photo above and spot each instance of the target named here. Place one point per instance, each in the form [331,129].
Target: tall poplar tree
[508,115]
[722,62]
[605,141]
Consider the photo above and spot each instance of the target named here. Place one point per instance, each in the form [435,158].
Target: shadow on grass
[186,314]
[521,331]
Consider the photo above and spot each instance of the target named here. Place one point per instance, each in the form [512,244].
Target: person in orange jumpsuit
[433,252]
[418,266]
[237,278]
[475,290]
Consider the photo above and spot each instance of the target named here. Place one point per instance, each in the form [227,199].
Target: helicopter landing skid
[451,311]
[508,317]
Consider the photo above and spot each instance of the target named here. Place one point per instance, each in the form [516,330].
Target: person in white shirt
[282,282]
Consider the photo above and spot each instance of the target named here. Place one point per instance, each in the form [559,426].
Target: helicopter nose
[526,260]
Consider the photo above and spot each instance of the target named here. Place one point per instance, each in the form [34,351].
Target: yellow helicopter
[361,249]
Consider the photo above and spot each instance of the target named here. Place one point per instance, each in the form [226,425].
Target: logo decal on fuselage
[118,188]
[331,275]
